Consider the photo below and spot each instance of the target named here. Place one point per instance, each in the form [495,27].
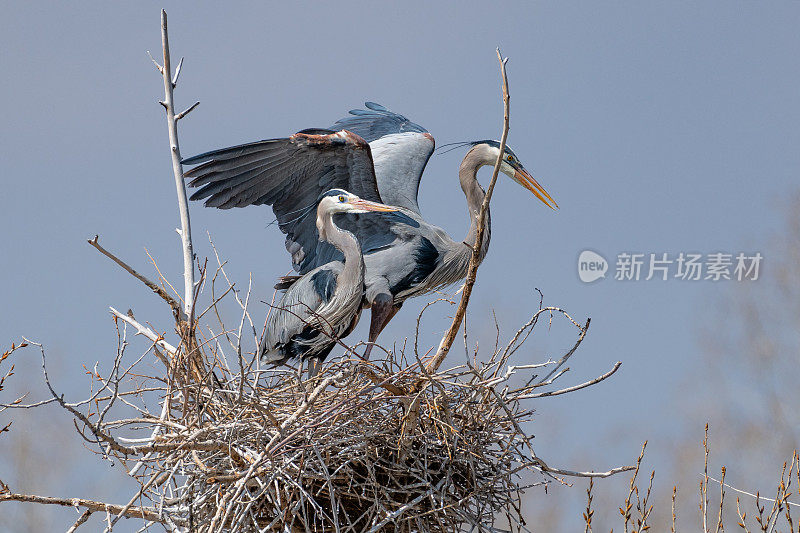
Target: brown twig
[704,484]
[474,262]
[674,495]
[587,515]
[80,521]
[626,510]
[173,304]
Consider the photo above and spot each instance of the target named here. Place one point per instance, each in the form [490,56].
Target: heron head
[487,151]
[341,201]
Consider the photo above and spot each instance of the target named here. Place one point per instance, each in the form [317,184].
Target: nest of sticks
[219,444]
[379,446]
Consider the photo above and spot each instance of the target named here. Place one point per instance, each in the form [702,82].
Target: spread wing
[400,150]
[288,174]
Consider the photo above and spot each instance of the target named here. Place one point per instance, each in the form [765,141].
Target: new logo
[591,266]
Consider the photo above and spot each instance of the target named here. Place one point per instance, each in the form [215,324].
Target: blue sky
[657,127]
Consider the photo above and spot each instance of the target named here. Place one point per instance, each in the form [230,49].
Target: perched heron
[323,305]
[405,256]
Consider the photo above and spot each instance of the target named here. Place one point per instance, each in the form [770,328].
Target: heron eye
[342,199]
[510,157]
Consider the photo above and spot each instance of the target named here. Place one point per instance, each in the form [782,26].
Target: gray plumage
[404,255]
[324,305]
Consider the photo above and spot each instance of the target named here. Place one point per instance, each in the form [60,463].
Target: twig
[176,307]
[177,73]
[590,473]
[130,503]
[147,332]
[148,513]
[740,491]
[186,111]
[589,383]
[474,262]
[704,484]
[674,495]
[80,521]
[626,511]
[742,517]
[587,515]
[720,527]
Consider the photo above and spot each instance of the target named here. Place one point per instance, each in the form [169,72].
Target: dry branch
[174,305]
[474,262]
[177,169]
[148,513]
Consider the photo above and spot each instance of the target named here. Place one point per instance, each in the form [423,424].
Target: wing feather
[288,174]
[375,122]
[400,150]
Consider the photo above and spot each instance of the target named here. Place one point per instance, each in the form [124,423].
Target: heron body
[324,305]
[380,156]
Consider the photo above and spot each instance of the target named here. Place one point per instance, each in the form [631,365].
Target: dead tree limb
[185,230]
[474,262]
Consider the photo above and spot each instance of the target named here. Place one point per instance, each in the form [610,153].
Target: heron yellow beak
[522,177]
[372,206]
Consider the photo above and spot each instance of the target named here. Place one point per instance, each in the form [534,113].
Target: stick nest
[364,446]
[384,445]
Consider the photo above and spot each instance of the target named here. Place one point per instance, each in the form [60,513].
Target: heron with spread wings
[404,255]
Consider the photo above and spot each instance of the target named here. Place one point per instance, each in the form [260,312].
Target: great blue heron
[323,305]
[405,256]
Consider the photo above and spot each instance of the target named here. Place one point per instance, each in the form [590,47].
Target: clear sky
[658,127]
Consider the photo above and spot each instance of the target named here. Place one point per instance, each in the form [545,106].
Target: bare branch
[177,170]
[148,513]
[574,473]
[177,73]
[176,307]
[80,521]
[158,67]
[130,503]
[589,383]
[740,491]
[474,262]
[147,332]
[186,112]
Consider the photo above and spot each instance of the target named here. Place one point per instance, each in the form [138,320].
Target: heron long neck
[468,176]
[353,271]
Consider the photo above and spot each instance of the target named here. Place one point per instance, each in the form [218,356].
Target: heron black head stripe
[333,192]
[462,144]
[494,144]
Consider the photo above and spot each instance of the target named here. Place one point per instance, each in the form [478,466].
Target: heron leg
[383,310]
